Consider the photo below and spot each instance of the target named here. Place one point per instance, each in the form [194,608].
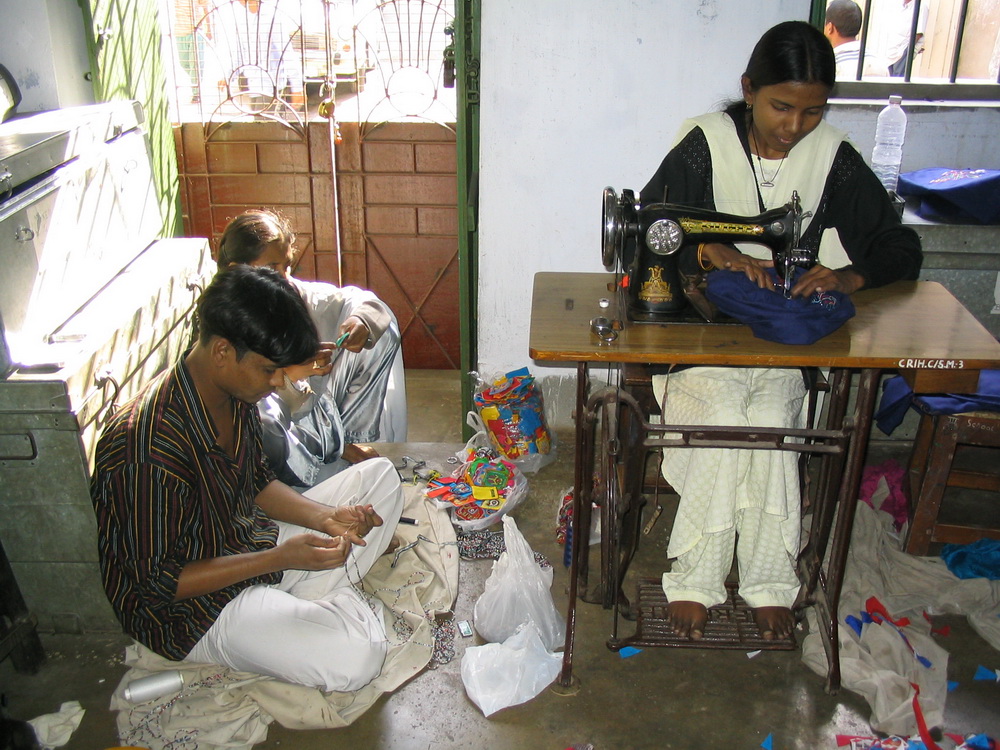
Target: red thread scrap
[921,722]
[944,630]
[873,606]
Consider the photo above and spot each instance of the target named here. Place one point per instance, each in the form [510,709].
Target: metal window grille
[952,50]
[280,59]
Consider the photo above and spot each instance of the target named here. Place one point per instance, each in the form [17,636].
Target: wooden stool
[931,472]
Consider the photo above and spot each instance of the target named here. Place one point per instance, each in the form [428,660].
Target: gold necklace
[763,180]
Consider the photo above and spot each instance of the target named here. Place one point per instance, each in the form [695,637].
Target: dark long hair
[792,51]
[247,236]
[256,309]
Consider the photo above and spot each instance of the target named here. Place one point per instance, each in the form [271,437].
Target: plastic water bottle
[890,130]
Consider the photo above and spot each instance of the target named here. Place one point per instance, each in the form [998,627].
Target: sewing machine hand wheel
[613,229]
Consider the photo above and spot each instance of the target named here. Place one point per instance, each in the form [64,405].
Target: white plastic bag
[518,591]
[498,675]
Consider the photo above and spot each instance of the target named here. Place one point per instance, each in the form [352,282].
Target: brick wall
[397,195]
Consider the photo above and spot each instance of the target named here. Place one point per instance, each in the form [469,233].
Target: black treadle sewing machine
[655,291]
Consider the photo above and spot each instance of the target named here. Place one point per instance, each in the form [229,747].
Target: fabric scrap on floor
[483,544]
[882,661]
[980,559]
[55,730]
[222,708]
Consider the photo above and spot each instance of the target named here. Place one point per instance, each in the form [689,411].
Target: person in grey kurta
[352,393]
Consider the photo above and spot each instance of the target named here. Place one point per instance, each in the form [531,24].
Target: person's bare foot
[774,622]
[393,545]
[687,619]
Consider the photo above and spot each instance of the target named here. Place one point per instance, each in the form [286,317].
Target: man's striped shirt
[165,494]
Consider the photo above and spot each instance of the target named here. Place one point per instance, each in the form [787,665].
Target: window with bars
[942,50]
[282,59]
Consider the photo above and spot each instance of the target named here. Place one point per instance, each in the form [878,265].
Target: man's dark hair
[247,236]
[845,15]
[257,310]
[792,51]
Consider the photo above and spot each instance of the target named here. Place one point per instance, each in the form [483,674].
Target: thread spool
[154,686]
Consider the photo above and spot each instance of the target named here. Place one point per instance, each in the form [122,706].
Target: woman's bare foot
[774,622]
[687,619]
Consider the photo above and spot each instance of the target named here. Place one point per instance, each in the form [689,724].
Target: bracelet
[705,266]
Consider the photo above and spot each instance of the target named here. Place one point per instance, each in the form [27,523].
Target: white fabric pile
[879,664]
[221,708]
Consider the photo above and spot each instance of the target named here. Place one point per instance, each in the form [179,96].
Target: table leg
[827,491]
[630,501]
[828,604]
[578,555]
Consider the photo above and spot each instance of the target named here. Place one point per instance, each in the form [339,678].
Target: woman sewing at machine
[325,407]
[745,160]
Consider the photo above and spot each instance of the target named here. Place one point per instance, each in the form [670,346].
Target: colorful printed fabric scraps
[971,742]
[565,517]
[484,488]
[514,416]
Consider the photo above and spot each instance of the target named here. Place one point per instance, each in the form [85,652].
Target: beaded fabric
[489,545]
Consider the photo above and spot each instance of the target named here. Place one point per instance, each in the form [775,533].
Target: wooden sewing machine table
[916,328]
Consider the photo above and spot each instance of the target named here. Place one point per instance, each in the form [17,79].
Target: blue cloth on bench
[954,195]
[897,397]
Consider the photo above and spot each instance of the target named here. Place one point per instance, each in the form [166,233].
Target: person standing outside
[899,18]
[842,26]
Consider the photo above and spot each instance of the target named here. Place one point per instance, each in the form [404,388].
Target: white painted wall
[577,96]
[936,136]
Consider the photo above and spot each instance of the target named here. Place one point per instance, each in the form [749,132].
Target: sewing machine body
[652,283]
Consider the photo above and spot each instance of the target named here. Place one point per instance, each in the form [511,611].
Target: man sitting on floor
[206,557]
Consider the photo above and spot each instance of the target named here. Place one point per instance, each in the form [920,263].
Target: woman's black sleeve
[881,249]
[684,177]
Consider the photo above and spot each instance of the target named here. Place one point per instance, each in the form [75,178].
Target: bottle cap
[895,99]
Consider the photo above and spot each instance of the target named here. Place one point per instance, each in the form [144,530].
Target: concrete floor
[661,698]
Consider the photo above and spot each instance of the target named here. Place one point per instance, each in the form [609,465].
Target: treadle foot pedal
[730,625]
